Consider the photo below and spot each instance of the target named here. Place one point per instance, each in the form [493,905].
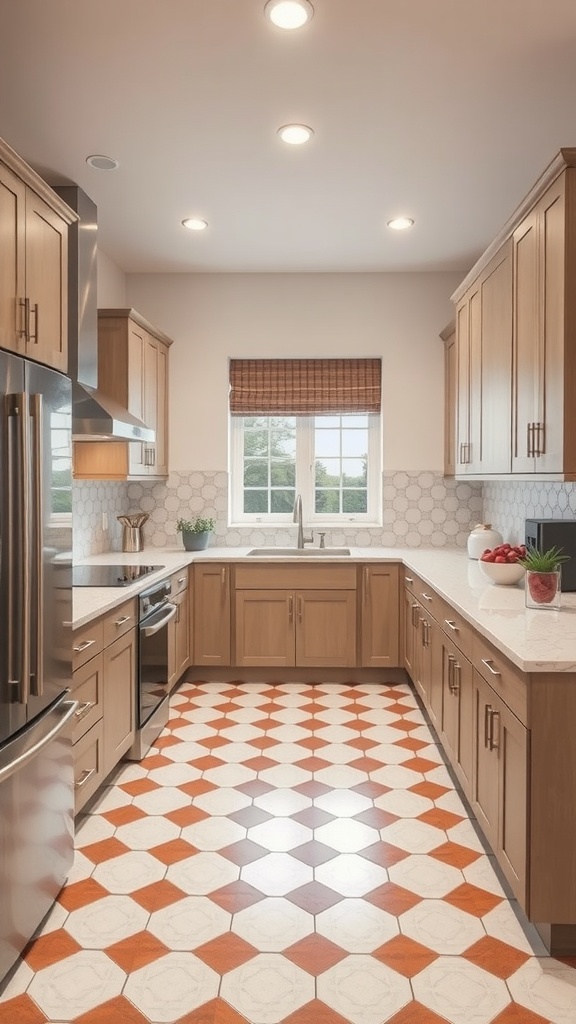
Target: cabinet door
[87,689]
[182,646]
[211,614]
[457,722]
[526,352]
[326,628]
[12,261]
[485,777]
[410,632]
[462,384]
[450,404]
[510,739]
[160,467]
[379,616]
[494,381]
[119,698]
[46,284]
[264,633]
[551,440]
[137,339]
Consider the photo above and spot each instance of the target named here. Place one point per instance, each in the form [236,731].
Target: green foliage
[197,525]
[543,561]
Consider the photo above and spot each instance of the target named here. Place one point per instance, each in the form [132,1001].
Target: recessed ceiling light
[102,163]
[295,134]
[195,224]
[289,13]
[400,223]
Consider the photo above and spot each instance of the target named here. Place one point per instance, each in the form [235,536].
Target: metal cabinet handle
[83,646]
[33,311]
[425,633]
[452,625]
[182,579]
[83,709]
[290,609]
[123,618]
[86,774]
[456,678]
[366,584]
[426,596]
[300,603]
[530,440]
[451,660]
[415,616]
[489,663]
[539,439]
[24,306]
[494,730]
[487,725]
[408,579]
[171,614]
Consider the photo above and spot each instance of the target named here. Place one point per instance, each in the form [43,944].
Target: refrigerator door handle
[19,554]
[37,560]
[65,711]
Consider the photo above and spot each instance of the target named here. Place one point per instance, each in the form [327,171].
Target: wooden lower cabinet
[456,720]
[315,628]
[379,616]
[89,772]
[119,698]
[211,614]
[499,797]
[179,638]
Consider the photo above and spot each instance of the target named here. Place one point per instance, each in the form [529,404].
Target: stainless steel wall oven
[155,612]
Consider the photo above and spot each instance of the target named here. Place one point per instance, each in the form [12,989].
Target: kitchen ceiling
[442,110]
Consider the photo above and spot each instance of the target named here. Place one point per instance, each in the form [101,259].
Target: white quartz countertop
[539,640]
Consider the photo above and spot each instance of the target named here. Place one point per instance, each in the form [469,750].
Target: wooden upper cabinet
[448,336]
[483,370]
[515,357]
[34,261]
[133,369]
[544,362]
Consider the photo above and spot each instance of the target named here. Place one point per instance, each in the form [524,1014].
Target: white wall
[214,316]
[111,287]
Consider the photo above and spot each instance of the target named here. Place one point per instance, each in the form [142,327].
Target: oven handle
[150,630]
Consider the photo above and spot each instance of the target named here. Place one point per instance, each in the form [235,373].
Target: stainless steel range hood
[95,416]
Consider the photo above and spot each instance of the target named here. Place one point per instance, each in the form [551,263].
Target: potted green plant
[543,576]
[195,532]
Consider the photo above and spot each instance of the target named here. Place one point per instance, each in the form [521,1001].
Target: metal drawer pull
[408,579]
[182,579]
[452,625]
[427,596]
[86,774]
[83,646]
[122,620]
[83,709]
[488,662]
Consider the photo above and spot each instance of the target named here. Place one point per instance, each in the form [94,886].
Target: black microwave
[558,533]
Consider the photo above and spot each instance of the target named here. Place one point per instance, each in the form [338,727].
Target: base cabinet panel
[88,765]
[379,614]
[265,632]
[457,719]
[119,698]
[325,628]
[211,614]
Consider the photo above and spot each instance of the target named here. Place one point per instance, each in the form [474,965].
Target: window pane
[282,474]
[256,473]
[354,501]
[354,442]
[255,501]
[354,473]
[327,443]
[282,501]
[327,501]
[255,442]
[282,442]
[328,473]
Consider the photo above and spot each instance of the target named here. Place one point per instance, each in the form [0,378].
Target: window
[332,458]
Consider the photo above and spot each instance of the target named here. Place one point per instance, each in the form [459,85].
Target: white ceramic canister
[482,537]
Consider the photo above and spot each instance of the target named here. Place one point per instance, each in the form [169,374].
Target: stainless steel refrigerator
[36,713]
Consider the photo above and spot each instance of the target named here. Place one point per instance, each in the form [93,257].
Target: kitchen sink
[298,552]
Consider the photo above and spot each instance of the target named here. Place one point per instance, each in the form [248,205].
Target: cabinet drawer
[88,765]
[454,626]
[296,577]
[87,689]
[119,622]
[507,680]
[410,579]
[179,582]
[87,642]
[428,598]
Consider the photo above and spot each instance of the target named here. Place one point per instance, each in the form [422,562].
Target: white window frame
[305,479]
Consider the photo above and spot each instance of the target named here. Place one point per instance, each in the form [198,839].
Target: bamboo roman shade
[304,387]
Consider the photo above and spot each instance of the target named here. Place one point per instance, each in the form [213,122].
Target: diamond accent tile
[315,954]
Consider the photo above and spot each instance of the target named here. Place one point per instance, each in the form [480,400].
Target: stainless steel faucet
[302,540]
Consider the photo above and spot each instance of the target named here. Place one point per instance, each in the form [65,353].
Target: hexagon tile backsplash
[420,509]
[507,505]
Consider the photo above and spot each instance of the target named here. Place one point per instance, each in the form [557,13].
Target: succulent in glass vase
[543,576]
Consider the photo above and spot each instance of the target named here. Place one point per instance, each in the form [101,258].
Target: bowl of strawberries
[502,564]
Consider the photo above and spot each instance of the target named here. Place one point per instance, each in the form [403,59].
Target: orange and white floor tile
[286,854]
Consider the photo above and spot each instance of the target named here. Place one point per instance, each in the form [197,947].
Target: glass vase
[543,589]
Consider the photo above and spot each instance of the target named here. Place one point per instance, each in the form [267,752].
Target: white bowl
[504,574]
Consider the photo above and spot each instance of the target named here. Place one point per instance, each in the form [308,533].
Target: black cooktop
[110,575]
